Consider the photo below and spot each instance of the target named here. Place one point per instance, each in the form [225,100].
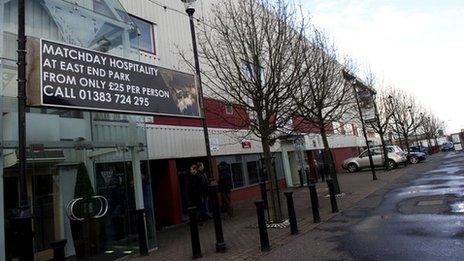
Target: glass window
[229,109]
[250,70]
[101,7]
[336,127]
[253,172]
[237,175]
[146,41]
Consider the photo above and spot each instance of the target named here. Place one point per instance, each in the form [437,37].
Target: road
[419,217]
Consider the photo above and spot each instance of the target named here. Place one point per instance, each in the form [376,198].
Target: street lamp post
[382,138]
[390,98]
[22,223]
[422,123]
[412,122]
[190,10]
[354,82]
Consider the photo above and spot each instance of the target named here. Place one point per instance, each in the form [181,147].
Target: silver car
[396,156]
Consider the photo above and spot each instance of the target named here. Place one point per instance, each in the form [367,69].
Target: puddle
[457,207]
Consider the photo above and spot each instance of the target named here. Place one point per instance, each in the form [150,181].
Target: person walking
[204,189]
[194,187]
[224,187]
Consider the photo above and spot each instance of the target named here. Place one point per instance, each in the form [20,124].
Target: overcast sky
[415,45]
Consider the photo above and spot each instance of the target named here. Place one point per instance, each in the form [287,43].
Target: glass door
[101,209]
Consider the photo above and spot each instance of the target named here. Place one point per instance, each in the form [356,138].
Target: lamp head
[189,6]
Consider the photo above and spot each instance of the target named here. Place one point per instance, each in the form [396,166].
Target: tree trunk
[277,215]
[436,143]
[406,141]
[385,151]
[328,158]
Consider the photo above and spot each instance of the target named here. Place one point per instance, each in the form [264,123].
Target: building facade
[126,163]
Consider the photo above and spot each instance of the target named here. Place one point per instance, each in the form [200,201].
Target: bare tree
[406,115]
[252,50]
[431,126]
[324,97]
[383,113]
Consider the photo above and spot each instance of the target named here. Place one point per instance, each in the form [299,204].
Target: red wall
[250,192]
[216,117]
[341,154]
[167,193]
[305,126]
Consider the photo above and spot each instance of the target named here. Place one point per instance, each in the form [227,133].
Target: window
[336,127]
[253,172]
[102,8]
[146,40]
[249,70]
[229,109]
[349,130]
[237,175]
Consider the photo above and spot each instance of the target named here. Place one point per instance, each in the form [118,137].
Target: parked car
[416,157]
[396,156]
[447,146]
[420,149]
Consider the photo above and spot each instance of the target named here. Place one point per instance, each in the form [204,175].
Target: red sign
[246,144]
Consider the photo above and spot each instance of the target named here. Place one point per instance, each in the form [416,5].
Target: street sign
[71,77]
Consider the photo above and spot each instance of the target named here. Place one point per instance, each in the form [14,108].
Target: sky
[414,45]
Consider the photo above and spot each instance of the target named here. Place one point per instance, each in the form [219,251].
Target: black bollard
[314,202]
[142,232]
[194,234]
[291,213]
[213,196]
[23,234]
[58,250]
[307,176]
[262,187]
[263,237]
[313,182]
[333,198]
[300,174]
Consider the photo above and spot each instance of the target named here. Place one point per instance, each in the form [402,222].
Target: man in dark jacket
[224,187]
[194,187]
[204,189]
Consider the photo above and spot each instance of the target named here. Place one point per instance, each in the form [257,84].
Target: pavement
[379,220]
[417,217]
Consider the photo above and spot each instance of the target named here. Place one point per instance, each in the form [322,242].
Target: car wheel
[352,167]
[413,160]
[392,164]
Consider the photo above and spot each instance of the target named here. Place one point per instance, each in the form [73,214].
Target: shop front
[87,178]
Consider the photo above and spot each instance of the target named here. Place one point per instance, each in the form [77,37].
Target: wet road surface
[421,217]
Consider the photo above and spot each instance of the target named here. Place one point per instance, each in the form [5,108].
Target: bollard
[300,174]
[194,234]
[262,187]
[307,176]
[58,250]
[23,234]
[263,237]
[142,232]
[314,202]
[220,244]
[291,213]
[333,198]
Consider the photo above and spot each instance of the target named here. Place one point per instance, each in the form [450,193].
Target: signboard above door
[60,75]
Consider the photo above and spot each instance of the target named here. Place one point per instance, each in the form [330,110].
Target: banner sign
[66,76]
[366,101]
